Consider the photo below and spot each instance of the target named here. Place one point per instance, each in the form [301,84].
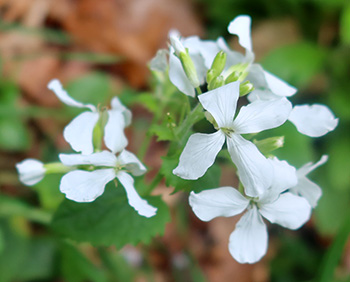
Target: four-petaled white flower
[85,186]
[248,242]
[306,188]
[201,149]
[79,132]
[30,171]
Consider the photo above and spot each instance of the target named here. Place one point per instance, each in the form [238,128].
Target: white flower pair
[92,171]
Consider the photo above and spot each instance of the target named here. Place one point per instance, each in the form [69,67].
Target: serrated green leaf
[211,178]
[109,220]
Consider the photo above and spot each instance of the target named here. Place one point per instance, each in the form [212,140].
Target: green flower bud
[269,144]
[216,82]
[245,88]
[239,69]
[219,63]
[189,68]
[234,76]
[210,75]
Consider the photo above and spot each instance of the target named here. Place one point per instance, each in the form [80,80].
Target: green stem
[156,180]
[12,207]
[199,91]
[56,167]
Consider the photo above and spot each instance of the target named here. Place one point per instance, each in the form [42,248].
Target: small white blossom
[85,186]
[79,132]
[306,188]
[248,242]
[201,149]
[30,171]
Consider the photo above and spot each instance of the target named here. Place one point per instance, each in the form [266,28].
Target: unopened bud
[234,76]
[189,68]
[219,63]
[269,144]
[177,45]
[245,88]
[216,82]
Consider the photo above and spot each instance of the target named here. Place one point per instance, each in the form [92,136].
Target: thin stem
[199,91]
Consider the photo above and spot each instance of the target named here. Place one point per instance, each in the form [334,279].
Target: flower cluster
[91,168]
[270,188]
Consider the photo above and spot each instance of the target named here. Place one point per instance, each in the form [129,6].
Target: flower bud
[219,63]
[30,171]
[234,76]
[189,68]
[245,88]
[177,45]
[269,144]
[216,82]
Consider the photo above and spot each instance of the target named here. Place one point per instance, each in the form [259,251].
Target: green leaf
[94,88]
[14,135]
[334,253]
[163,131]
[345,25]
[300,61]
[39,261]
[77,268]
[148,100]
[211,178]
[109,220]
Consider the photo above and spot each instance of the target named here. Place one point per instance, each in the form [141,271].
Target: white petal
[85,186]
[248,242]
[259,94]
[30,171]
[307,168]
[131,163]
[278,86]
[199,154]
[254,170]
[103,158]
[78,133]
[176,43]
[308,190]
[221,103]
[117,105]
[114,136]
[223,201]
[139,204]
[240,26]
[177,75]
[232,57]
[160,61]
[288,210]
[285,177]
[262,115]
[56,86]
[314,121]
[207,48]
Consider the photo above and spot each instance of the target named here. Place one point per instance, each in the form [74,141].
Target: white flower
[306,188]
[30,171]
[201,149]
[85,186]
[79,132]
[314,121]
[248,242]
